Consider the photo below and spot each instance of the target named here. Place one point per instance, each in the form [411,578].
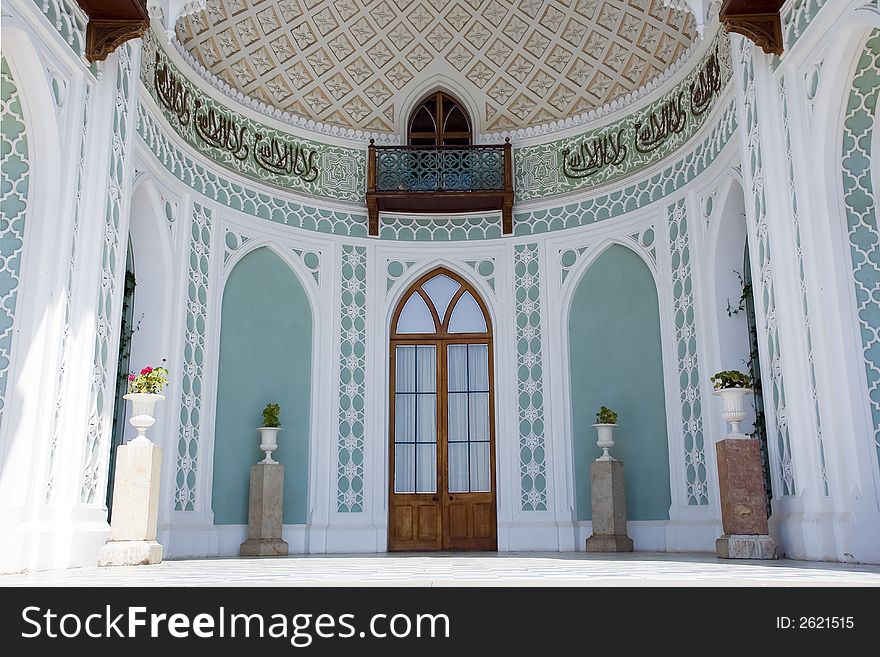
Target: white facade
[786,156]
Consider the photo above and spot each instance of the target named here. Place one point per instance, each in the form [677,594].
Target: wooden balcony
[440,180]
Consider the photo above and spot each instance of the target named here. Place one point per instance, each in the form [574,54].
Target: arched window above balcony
[439,120]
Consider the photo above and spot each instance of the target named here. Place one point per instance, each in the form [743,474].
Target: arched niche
[265,357]
[151,255]
[615,360]
[732,279]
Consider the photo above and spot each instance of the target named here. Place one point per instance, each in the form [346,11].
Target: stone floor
[464,569]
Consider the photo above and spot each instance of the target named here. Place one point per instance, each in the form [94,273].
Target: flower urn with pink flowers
[144,391]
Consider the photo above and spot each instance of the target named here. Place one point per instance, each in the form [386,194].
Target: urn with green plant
[606,421]
[732,386]
[269,431]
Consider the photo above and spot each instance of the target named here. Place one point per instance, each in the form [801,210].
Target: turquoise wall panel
[614,340]
[265,356]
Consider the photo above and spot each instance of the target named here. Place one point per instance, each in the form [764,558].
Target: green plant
[744,297]
[606,416]
[270,415]
[731,379]
[151,380]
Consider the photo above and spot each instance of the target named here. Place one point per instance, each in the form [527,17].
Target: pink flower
[131,377]
[147,370]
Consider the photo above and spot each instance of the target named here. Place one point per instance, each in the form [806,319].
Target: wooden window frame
[440,135]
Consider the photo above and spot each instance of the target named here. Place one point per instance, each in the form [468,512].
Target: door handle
[450,498]
[434,499]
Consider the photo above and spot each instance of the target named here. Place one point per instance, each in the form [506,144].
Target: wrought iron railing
[437,179]
[439,168]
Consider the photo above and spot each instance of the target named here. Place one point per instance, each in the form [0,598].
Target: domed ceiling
[349,63]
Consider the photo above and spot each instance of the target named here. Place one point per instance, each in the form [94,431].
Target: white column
[83,525]
[774,218]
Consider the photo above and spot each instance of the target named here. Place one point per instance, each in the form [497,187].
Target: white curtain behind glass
[415,419]
[469,466]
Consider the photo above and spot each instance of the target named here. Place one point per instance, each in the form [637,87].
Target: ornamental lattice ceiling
[349,63]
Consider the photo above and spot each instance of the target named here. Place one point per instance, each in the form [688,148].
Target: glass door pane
[469,463]
[415,419]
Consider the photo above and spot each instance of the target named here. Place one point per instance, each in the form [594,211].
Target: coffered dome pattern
[349,62]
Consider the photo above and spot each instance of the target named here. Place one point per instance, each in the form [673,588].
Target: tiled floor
[473,569]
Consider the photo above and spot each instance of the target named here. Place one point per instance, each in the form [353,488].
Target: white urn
[733,409]
[143,412]
[268,442]
[605,440]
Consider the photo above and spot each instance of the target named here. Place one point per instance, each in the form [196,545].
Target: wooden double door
[442,444]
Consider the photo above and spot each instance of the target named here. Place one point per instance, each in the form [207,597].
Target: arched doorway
[442,428]
[439,120]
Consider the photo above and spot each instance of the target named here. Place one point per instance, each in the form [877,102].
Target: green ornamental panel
[194,345]
[684,315]
[14,188]
[860,201]
[427,228]
[69,20]
[352,380]
[530,377]
[796,18]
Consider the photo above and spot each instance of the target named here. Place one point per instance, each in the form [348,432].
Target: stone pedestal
[135,506]
[609,508]
[743,506]
[265,505]
[739,546]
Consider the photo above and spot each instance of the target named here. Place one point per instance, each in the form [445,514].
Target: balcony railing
[440,179]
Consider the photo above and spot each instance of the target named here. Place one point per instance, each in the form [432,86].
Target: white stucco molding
[168,12]
[699,8]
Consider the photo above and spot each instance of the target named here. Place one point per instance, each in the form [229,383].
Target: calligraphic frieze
[248,146]
[631,143]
